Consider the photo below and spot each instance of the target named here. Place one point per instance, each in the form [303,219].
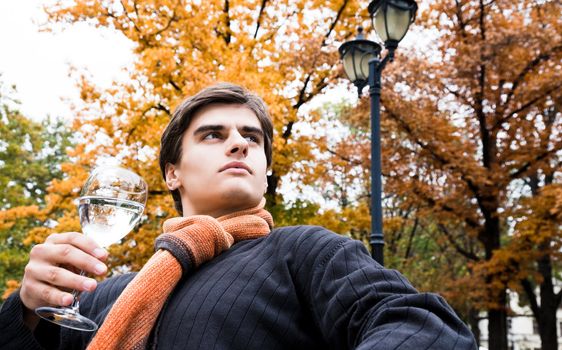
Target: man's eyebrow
[252,129]
[218,127]
[205,128]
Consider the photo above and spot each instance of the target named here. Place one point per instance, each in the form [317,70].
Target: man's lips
[236,165]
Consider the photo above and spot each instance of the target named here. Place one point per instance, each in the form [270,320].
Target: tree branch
[460,96]
[467,254]
[347,159]
[174,85]
[333,24]
[163,108]
[521,171]
[130,19]
[170,21]
[158,106]
[303,98]
[427,147]
[530,291]
[527,69]
[228,35]
[527,105]
[462,25]
[258,21]
[482,21]
[484,133]
[411,238]
[432,202]
[300,100]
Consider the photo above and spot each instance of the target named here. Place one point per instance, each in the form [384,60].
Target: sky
[39,62]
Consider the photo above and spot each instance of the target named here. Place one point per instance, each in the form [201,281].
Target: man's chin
[238,199]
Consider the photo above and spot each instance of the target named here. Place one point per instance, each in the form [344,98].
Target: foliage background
[470,133]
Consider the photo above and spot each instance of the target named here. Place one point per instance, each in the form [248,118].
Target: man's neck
[215,213]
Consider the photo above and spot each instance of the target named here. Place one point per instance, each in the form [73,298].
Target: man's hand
[51,273]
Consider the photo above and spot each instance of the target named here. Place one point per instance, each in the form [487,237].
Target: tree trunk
[545,314]
[497,326]
[271,193]
[473,321]
[547,330]
[497,316]
[546,319]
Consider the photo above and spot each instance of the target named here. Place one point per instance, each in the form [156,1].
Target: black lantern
[355,55]
[392,18]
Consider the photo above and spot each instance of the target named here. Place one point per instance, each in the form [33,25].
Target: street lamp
[391,19]
[356,55]
[363,65]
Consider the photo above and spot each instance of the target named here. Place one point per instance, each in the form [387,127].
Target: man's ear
[172,180]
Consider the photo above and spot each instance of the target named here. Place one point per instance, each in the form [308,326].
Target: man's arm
[360,305]
[48,277]
[14,333]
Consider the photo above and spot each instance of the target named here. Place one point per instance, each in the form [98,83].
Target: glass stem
[76,297]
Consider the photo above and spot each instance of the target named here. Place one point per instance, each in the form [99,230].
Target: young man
[222,280]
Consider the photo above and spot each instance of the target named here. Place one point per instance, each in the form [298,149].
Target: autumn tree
[479,125]
[30,157]
[472,154]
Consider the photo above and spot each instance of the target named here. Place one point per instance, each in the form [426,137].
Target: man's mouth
[236,165]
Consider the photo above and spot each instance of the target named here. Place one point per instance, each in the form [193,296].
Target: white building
[522,331]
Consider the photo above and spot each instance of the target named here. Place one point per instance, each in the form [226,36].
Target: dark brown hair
[223,93]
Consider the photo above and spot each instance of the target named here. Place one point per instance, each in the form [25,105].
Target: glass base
[66,317]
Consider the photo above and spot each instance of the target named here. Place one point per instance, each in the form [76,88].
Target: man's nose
[238,145]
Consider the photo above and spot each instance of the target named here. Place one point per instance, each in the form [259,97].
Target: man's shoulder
[306,231]
[307,238]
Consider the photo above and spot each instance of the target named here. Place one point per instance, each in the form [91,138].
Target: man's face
[223,166]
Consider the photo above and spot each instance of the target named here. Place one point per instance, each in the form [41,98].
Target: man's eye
[252,138]
[212,135]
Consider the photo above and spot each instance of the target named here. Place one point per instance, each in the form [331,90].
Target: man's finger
[79,241]
[66,254]
[45,294]
[62,278]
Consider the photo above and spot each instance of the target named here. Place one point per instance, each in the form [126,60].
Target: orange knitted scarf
[186,243]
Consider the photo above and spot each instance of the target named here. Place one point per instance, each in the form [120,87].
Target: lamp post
[363,65]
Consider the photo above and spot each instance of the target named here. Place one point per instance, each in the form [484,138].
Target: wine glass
[110,205]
